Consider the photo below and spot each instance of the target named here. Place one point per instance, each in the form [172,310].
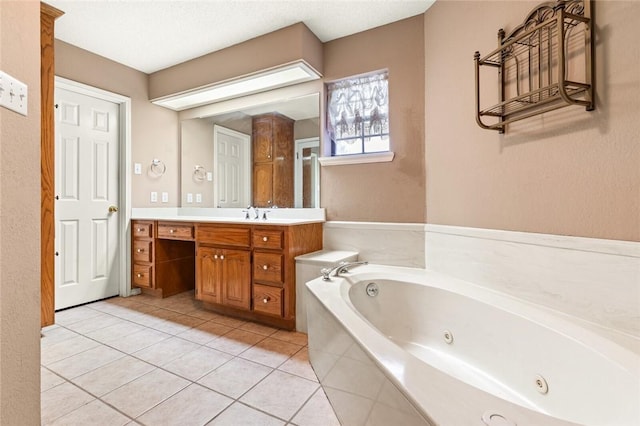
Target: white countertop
[190,214]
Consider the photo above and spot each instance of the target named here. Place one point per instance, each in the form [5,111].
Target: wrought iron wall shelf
[542,65]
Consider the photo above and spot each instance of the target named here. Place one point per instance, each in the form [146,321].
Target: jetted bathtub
[402,346]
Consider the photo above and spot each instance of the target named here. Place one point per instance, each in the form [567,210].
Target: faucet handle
[246,214]
[264,214]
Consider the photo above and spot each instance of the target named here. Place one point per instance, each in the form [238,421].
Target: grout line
[191,382]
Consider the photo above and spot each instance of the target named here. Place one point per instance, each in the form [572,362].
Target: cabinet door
[208,275]
[263,185]
[236,278]
[262,140]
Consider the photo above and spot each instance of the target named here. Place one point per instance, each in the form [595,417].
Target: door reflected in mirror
[265,156]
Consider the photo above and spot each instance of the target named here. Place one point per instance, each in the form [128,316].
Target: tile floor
[148,361]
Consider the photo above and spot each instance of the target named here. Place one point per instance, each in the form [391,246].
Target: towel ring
[157,167]
[199,173]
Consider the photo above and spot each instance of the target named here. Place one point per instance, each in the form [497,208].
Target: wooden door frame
[48,15]
[124,179]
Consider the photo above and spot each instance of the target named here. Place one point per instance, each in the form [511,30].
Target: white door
[86,165]
[231,153]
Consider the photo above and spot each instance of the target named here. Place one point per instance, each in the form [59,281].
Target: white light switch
[137,169]
[210,176]
[189,197]
[13,93]
[198,198]
[154,197]
[165,197]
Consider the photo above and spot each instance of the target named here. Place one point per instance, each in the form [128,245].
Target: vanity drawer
[142,275]
[142,229]
[224,235]
[267,299]
[268,239]
[175,231]
[267,267]
[142,251]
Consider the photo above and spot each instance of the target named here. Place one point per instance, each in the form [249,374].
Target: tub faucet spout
[340,269]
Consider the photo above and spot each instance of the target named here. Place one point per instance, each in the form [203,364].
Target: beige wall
[384,192]
[154,129]
[20,220]
[568,172]
[197,149]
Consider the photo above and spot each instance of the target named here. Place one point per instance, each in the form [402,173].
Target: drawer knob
[171,231]
[265,239]
[215,256]
[222,257]
[265,267]
[139,275]
[139,229]
[140,250]
[266,299]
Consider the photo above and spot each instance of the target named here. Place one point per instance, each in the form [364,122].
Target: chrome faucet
[341,268]
[255,210]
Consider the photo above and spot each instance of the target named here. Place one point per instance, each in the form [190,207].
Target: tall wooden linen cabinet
[272,161]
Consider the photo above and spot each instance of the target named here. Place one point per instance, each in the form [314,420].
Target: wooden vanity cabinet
[242,270]
[273,160]
[163,257]
[223,266]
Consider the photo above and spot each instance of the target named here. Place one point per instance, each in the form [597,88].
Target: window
[358,114]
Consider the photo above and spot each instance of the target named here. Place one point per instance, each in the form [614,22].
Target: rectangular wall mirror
[264,156]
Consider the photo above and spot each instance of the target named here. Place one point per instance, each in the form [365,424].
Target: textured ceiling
[150,35]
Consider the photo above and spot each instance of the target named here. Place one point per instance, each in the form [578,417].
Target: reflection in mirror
[266,156]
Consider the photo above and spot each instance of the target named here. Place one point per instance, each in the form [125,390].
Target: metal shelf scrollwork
[542,65]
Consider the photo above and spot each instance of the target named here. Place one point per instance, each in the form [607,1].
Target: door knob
[113,209]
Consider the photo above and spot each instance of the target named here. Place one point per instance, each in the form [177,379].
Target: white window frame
[360,158]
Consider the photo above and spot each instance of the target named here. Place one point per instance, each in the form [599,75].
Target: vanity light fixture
[273,78]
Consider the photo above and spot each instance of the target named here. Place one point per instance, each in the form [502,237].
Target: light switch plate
[154,197]
[189,197]
[165,197]
[198,198]
[137,169]
[13,93]
[210,176]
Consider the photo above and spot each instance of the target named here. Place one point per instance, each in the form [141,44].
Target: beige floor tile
[316,412]
[178,324]
[204,333]
[239,414]
[48,379]
[198,363]
[110,377]
[70,316]
[61,400]
[229,322]
[139,340]
[56,334]
[291,337]
[84,362]
[280,394]
[114,332]
[94,413]
[236,341]
[95,323]
[65,349]
[235,377]
[193,406]
[270,352]
[299,365]
[258,328]
[145,392]
[165,351]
